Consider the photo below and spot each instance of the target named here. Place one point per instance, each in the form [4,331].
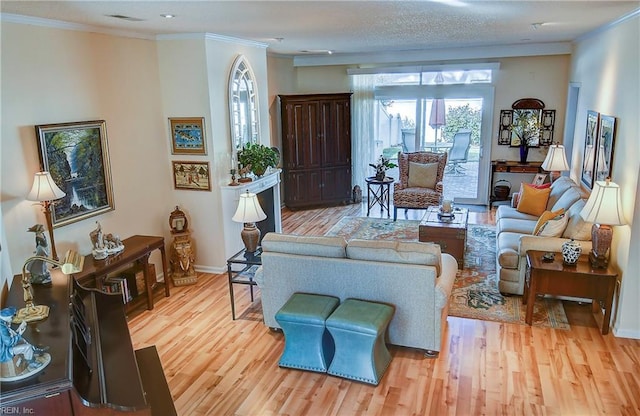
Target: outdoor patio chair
[411,192]
[459,152]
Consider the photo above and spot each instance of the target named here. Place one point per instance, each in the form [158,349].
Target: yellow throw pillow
[533,201]
[546,216]
[423,175]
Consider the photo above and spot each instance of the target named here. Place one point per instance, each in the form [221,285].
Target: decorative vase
[571,251]
[524,152]
[380,175]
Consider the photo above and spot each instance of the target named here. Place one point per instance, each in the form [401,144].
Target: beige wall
[56,75]
[607,68]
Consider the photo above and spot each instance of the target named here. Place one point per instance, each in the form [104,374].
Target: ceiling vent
[121,17]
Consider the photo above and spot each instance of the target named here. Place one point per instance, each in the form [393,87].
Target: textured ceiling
[344,27]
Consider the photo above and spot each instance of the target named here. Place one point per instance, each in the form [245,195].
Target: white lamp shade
[589,157]
[44,188]
[603,205]
[556,159]
[249,209]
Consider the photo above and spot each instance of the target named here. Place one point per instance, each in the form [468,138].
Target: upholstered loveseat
[515,232]
[413,277]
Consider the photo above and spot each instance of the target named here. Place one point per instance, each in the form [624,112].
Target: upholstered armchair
[422,187]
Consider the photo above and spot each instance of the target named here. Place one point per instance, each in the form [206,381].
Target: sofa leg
[431,354]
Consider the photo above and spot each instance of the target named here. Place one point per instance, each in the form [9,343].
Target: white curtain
[362,128]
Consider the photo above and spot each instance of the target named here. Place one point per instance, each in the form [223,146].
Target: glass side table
[245,268]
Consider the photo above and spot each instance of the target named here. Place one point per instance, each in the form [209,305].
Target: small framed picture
[539,178]
[187,136]
[191,175]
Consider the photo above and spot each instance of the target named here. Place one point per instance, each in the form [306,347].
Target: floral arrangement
[526,127]
[381,166]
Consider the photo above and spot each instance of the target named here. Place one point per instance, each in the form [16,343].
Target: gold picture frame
[191,175]
[187,136]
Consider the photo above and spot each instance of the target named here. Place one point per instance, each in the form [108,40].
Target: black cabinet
[316,149]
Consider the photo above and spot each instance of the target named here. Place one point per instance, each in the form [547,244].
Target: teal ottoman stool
[358,329]
[307,344]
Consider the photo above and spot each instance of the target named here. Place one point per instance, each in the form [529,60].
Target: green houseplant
[258,157]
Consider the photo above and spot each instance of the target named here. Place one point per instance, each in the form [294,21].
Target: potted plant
[526,127]
[257,157]
[381,166]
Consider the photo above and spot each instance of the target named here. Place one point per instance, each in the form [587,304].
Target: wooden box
[450,235]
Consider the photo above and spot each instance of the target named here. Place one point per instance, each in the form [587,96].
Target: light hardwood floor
[216,366]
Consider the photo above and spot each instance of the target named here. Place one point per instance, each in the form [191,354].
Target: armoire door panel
[336,184]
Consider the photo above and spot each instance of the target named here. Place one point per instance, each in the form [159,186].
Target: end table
[249,263]
[580,280]
[379,195]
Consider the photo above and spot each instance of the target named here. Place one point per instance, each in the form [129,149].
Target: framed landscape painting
[191,175]
[187,136]
[589,154]
[606,143]
[77,156]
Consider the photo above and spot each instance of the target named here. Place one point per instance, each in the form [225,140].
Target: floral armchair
[411,192]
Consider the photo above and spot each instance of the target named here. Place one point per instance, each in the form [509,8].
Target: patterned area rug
[475,292]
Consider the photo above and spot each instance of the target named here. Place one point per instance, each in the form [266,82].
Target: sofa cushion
[532,200]
[305,245]
[428,254]
[423,175]
[546,216]
[577,228]
[558,188]
[567,199]
[554,227]
[516,197]
[512,225]
[505,211]
[508,245]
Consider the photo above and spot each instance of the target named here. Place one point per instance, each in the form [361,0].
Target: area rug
[475,292]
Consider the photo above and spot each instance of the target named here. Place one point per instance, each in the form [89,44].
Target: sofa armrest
[259,277]
[553,244]
[440,187]
[444,282]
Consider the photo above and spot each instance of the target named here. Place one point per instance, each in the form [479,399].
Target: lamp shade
[44,188]
[556,159]
[603,205]
[589,158]
[249,209]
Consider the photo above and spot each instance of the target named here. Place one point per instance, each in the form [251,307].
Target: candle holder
[234,181]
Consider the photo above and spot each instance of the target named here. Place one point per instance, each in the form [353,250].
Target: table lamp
[556,161]
[603,209]
[249,212]
[73,263]
[45,191]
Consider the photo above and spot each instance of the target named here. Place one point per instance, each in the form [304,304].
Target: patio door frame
[454,91]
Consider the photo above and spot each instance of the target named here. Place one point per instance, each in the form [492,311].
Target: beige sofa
[514,233]
[414,277]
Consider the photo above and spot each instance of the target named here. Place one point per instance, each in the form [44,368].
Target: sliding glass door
[435,118]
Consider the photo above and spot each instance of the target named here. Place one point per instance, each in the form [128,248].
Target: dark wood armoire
[316,149]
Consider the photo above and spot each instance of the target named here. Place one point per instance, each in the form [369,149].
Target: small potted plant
[381,166]
[257,157]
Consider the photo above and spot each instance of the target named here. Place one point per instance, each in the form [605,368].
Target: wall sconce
[73,263]
[249,212]
[603,209]
[45,191]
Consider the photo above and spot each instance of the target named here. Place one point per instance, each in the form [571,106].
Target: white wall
[607,66]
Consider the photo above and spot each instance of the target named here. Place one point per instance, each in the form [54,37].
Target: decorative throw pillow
[546,216]
[423,175]
[577,228]
[554,227]
[533,201]
[516,196]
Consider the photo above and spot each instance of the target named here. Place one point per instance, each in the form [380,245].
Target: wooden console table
[581,280]
[137,250]
[511,167]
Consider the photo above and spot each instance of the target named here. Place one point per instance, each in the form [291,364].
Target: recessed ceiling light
[168,15]
[536,26]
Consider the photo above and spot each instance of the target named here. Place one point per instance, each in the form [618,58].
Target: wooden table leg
[531,297]
[608,305]
[167,282]
[147,280]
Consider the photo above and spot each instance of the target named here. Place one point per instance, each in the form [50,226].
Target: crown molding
[58,24]
[213,36]
[437,55]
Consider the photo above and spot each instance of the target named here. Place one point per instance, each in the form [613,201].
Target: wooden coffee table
[449,233]
[581,281]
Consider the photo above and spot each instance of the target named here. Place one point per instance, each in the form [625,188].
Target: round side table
[379,192]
